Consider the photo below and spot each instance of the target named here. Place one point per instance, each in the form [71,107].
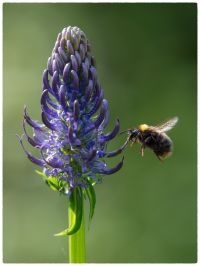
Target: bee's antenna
[123,131]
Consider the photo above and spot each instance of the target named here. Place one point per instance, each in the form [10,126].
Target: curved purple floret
[109,171]
[71,139]
[33,159]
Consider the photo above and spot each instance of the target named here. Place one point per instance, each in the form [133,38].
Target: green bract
[75,200]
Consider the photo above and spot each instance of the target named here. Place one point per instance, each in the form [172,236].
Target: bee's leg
[159,158]
[142,150]
[132,141]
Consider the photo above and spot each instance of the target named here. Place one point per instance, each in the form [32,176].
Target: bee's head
[133,133]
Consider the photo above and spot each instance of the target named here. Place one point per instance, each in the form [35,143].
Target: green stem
[76,240]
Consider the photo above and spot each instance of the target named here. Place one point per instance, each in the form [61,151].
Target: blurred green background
[147,65]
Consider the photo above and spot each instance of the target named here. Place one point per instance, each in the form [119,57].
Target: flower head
[71,137]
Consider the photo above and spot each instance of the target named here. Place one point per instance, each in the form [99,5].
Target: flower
[71,137]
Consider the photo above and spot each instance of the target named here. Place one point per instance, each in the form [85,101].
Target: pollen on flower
[71,138]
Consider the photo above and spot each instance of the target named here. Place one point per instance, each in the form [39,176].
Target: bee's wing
[168,125]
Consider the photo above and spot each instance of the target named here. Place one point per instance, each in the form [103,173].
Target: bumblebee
[154,138]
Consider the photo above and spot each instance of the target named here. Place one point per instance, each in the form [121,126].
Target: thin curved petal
[47,122]
[32,158]
[31,122]
[66,73]
[96,105]
[63,55]
[46,81]
[62,97]
[118,151]
[113,133]
[102,114]
[45,107]
[55,83]
[109,171]
[106,118]
[32,141]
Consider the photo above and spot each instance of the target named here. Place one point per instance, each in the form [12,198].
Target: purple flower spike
[71,140]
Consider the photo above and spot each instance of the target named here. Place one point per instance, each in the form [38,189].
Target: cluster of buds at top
[71,137]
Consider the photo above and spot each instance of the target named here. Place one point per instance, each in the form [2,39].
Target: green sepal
[76,207]
[53,182]
[92,198]
[44,177]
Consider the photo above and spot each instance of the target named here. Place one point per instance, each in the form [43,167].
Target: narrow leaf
[53,183]
[92,198]
[44,177]
[76,210]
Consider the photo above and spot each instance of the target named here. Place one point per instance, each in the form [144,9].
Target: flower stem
[76,240]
